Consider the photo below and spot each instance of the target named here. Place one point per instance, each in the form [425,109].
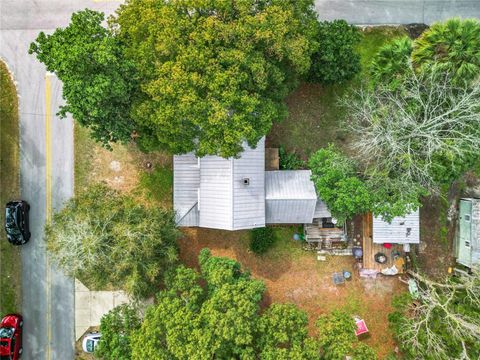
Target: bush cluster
[336,60]
[261,239]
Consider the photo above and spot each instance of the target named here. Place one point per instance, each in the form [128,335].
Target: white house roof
[290,197]
[186,182]
[220,193]
[226,200]
[401,230]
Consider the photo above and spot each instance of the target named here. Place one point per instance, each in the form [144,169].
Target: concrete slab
[90,306]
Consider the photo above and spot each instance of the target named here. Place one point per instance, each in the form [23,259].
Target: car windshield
[90,345]
[10,218]
[6,332]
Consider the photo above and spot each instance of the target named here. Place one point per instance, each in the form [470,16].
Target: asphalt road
[47,142]
[46,168]
[396,11]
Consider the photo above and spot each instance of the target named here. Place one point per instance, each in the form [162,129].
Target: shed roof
[401,230]
[321,210]
[290,197]
[289,184]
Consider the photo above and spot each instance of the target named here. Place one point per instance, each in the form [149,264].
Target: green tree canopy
[335,178]
[453,47]
[106,239]
[336,59]
[348,191]
[99,83]
[392,62]
[117,327]
[337,338]
[216,314]
[283,334]
[214,73]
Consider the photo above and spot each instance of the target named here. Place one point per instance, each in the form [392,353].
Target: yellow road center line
[48,192]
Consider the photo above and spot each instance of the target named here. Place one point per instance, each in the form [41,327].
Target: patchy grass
[315,116]
[84,155]
[373,39]
[293,275]
[123,168]
[157,185]
[10,262]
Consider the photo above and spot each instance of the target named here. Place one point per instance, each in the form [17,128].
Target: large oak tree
[213,72]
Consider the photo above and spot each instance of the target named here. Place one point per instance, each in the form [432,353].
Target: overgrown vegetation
[107,240]
[442,322]
[261,239]
[426,131]
[414,131]
[290,160]
[10,261]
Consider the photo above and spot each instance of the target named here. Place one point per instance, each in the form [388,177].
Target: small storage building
[401,230]
[468,235]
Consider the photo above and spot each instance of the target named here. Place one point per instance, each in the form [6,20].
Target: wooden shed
[467,249]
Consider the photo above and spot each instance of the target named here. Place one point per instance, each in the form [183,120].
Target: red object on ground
[11,336]
[361,327]
[387,245]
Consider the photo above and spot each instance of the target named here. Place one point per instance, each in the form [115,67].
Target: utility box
[467,249]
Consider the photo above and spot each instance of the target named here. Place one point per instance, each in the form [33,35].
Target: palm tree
[452,46]
[391,62]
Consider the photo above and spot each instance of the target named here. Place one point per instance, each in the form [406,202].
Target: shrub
[452,46]
[261,239]
[290,161]
[335,60]
[391,62]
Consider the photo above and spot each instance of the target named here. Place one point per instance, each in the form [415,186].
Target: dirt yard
[294,275]
[148,177]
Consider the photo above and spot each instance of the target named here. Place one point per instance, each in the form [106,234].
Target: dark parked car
[16,222]
[11,337]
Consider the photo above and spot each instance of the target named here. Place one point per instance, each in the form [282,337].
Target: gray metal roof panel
[401,230]
[289,184]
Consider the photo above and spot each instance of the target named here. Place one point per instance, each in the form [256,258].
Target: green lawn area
[84,153]
[10,262]
[157,185]
[315,117]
